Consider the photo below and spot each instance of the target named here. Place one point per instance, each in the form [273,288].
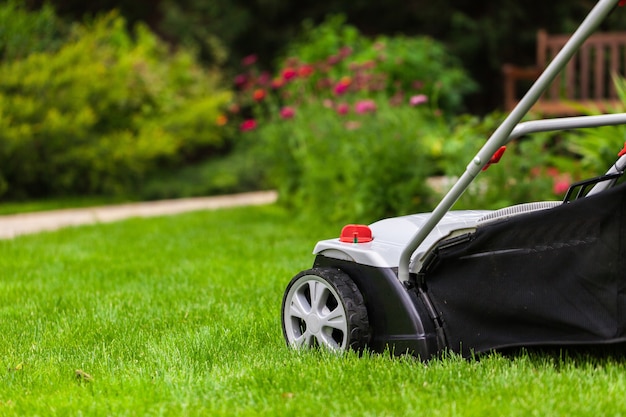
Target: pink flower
[249,60]
[345,52]
[246,125]
[289,73]
[560,187]
[418,99]
[342,86]
[287,112]
[552,172]
[343,108]
[333,59]
[241,80]
[264,78]
[365,106]
[561,181]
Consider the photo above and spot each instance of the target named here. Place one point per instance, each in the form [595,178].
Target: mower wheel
[324,307]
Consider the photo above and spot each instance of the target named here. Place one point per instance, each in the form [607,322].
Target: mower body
[541,274]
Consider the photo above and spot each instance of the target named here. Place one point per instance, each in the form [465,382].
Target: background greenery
[483,35]
[100,111]
[129,104]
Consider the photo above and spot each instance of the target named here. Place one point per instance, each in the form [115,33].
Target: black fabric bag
[548,277]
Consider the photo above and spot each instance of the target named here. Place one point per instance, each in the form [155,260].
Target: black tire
[324,307]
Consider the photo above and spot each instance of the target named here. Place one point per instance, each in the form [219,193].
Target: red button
[356,233]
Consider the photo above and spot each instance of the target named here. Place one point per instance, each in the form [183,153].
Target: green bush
[520,175]
[598,148]
[102,112]
[536,167]
[342,128]
[400,63]
[234,172]
[349,134]
[358,166]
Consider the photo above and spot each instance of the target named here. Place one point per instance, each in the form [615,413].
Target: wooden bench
[587,82]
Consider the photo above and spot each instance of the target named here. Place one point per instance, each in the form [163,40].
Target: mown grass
[180,316]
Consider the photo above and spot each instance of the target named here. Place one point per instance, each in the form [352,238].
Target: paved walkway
[27,223]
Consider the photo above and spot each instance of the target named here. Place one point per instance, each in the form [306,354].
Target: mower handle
[511,126]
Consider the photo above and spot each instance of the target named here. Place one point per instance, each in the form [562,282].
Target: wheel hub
[313,323]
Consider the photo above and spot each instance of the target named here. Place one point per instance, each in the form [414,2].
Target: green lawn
[180,316]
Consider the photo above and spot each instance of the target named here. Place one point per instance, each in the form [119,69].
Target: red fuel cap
[356,233]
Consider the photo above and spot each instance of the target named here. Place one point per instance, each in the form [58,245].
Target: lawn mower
[547,273]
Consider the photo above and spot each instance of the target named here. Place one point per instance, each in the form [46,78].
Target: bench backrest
[589,75]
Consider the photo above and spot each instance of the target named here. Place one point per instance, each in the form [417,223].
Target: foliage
[23,32]
[543,165]
[537,167]
[235,172]
[346,135]
[338,122]
[483,35]
[599,147]
[179,316]
[208,27]
[402,63]
[358,167]
[533,168]
[103,111]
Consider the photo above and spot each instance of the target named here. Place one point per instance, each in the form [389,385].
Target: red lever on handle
[496,156]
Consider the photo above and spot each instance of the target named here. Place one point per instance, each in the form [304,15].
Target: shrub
[102,112]
[537,167]
[341,130]
[361,165]
[234,172]
[598,148]
[518,177]
[349,135]
[402,64]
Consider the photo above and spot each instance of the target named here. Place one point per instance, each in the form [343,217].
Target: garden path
[28,223]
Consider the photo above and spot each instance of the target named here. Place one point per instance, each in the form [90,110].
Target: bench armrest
[512,74]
